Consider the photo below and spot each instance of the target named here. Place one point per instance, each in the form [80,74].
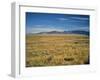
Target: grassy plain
[54,50]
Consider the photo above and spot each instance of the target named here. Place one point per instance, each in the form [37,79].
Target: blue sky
[45,22]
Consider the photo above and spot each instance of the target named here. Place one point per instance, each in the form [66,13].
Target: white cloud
[62,19]
[38,25]
[84,28]
[41,29]
[80,18]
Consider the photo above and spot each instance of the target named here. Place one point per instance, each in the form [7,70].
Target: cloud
[41,29]
[84,28]
[38,25]
[79,18]
[62,19]
[74,19]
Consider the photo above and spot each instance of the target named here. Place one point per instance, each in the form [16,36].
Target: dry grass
[53,50]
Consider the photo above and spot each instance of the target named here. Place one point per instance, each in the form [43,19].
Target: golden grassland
[54,50]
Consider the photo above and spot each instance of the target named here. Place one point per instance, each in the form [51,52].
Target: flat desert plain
[54,50]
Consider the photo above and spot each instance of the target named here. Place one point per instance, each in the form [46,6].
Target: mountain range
[67,32]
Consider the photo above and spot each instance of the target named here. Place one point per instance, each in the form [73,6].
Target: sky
[46,22]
